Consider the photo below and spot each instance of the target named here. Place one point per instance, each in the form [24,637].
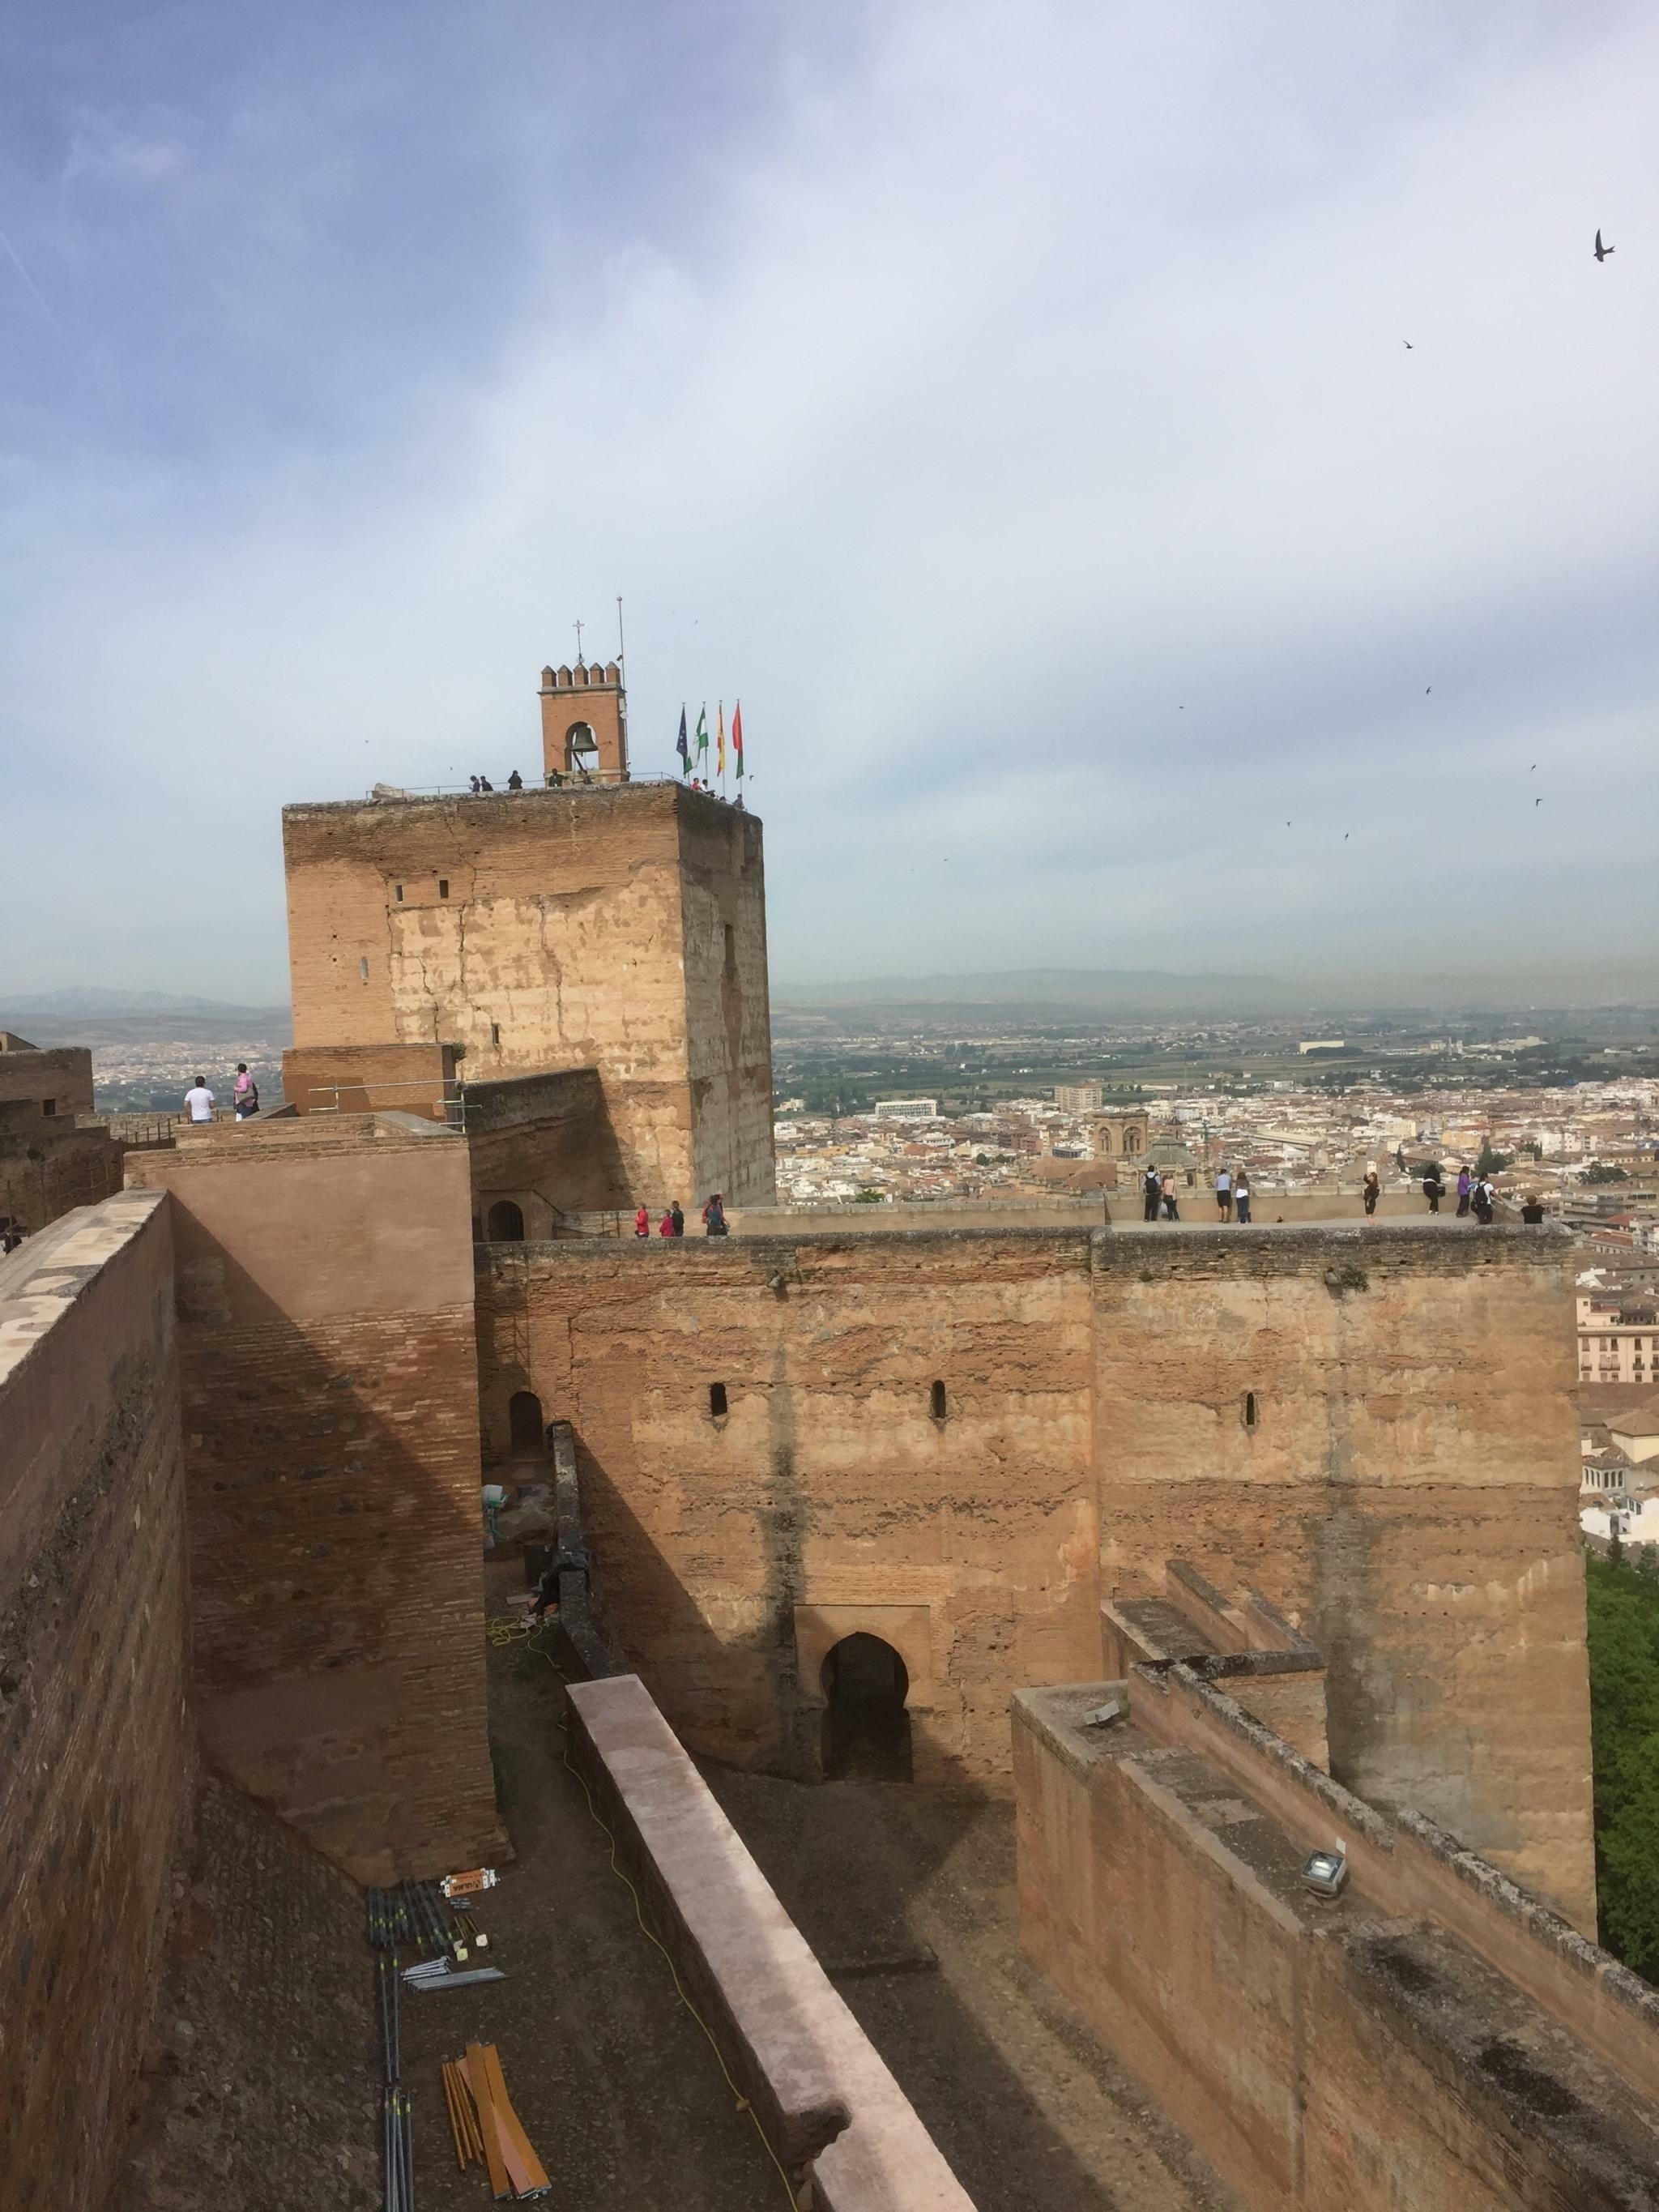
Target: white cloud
[1025,429]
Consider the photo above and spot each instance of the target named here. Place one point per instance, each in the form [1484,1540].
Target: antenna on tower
[621,649]
[579,639]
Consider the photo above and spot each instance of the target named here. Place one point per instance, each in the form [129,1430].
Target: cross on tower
[579,641]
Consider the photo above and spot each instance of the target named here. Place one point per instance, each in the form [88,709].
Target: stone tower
[585,722]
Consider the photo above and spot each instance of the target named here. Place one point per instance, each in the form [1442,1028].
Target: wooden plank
[509,2120]
[454,2112]
[478,2080]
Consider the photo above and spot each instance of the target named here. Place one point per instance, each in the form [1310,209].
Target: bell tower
[585,724]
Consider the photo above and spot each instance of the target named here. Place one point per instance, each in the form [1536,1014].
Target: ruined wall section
[728,1014]
[735,1548]
[49,1166]
[56,1081]
[1406,1491]
[332,1456]
[545,1142]
[95,1747]
[540,931]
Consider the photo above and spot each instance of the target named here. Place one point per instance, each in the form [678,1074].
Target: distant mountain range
[1149,993]
[92,1016]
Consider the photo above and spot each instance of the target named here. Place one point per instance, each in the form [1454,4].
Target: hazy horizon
[1171,489]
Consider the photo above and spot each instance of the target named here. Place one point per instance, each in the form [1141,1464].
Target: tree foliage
[1623,1659]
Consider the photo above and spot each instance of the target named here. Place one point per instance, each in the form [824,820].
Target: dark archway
[525,1429]
[506,1223]
[866,1730]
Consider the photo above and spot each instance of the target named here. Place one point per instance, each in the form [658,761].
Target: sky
[1158,477]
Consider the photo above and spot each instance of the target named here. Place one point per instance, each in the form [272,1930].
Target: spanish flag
[719,747]
[737,736]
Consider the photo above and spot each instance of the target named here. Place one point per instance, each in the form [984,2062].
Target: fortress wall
[1408,1495]
[1352,2052]
[95,1747]
[827,1498]
[48,1166]
[728,1016]
[545,1142]
[561,943]
[62,1074]
[331,1454]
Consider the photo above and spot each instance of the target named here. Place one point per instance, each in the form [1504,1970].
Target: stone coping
[830,2102]
[42,1280]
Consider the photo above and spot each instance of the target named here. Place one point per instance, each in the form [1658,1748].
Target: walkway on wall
[907,1897]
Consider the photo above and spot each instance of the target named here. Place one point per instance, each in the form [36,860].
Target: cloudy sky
[1010,403]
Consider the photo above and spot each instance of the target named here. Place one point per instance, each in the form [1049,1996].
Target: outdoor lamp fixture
[1325,1872]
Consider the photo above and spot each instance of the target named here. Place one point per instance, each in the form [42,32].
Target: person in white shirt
[198,1101]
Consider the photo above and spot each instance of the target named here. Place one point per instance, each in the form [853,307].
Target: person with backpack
[1151,1190]
[1484,1197]
[247,1092]
[713,1217]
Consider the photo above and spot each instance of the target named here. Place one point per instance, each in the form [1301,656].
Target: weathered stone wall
[549,929]
[362,1079]
[1362,2051]
[94,1742]
[332,1451]
[48,1166]
[828,1490]
[545,1142]
[1407,1492]
[728,1016]
[60,1077]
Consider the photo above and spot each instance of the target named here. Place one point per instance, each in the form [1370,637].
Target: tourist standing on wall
[665,1226]
[713,1217]
[1242,1196]
[1223,1194]
[198,1101]
[1532,1211]
[642,1222]
[1151,1190]
[247,1092]
[677,1218]
[1373,1191]
[1433,1188]
[1167,1188]
[1465,1185]
[1485,1195]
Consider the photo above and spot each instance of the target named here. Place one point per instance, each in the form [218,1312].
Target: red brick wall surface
[95,1741]
[331,1449]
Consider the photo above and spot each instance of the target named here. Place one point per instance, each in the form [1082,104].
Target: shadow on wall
[338,1680]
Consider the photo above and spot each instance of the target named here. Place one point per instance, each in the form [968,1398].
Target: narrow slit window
[495,1032]
[1249,1409]
[717,1400]
[397,892]
[936,1402]
[362,968]
[443,887]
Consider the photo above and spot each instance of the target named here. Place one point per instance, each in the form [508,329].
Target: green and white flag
[703,739]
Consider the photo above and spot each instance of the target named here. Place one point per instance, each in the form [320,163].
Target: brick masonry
[622,929]
[1406,1493]
[332,1456]
[95,1747]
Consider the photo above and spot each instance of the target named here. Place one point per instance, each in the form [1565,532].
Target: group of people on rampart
[673,1220]
[201,1104]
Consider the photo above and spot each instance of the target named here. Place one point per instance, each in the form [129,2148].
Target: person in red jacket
[642,1222]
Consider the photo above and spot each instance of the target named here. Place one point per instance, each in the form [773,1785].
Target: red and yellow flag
[737,736]
[720,742]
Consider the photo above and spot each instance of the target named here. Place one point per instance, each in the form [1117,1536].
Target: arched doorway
[866,1730]
[506,1223]
[525,1430]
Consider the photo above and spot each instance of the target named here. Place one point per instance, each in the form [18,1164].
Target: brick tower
[585,722]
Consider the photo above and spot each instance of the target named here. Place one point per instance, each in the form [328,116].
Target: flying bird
[1531,769]
[1409,347]
[1345,837]
[1537,802]
[1603,251]
[1427,688]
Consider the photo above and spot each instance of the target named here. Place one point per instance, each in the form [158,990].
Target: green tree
[1492,1162]
[1623,1621]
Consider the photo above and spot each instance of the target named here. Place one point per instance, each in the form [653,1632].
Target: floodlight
[1325,1873]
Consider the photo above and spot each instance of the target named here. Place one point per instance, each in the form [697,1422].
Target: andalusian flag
[720,720]
[737,736]
[682,748]
[702,738]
